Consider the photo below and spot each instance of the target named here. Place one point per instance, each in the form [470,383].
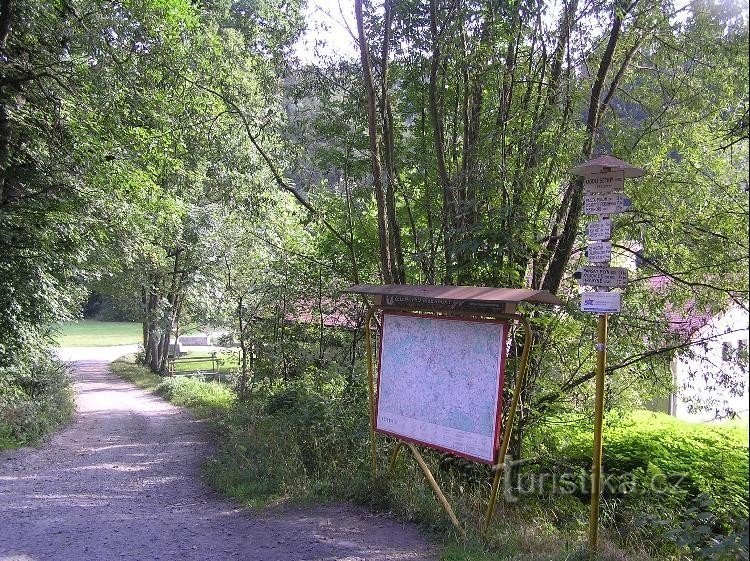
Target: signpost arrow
[612,277]
[599,252]
[614,203]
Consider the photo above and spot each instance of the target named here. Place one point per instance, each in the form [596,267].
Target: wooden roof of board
[458,293]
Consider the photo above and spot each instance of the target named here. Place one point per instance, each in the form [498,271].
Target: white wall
[698,377]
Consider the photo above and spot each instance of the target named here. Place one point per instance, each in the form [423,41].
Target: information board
[440,381]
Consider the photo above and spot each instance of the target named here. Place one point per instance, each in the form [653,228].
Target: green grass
[92,333]
[227,362]
[206,399]
[306,440]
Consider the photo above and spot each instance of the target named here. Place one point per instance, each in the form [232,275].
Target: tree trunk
[449,211]
[560,257]
[389,259]
[242,383]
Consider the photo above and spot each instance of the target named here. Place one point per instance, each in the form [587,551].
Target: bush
[35,397]
[669,483]
[701,459]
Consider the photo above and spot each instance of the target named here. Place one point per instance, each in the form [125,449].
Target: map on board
[440,382]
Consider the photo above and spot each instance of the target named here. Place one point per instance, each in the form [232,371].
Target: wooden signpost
[603,186]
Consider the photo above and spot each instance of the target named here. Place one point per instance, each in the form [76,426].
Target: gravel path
[121,483]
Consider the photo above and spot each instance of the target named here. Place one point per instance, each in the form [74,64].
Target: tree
[478,111]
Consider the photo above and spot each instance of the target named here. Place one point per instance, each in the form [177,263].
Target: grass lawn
[92,333]
[227,361]
[210,400]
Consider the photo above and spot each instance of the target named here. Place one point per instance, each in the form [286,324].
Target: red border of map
[500,373]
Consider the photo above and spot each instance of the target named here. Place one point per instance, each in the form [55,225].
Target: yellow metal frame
[504,443]
[596,464]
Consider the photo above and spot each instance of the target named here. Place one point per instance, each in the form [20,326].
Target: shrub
[671,483]
[35,397]
[701,459]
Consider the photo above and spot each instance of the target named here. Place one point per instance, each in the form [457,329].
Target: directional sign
[601,302]
[613,277]
[599,252]
[612,182]
[601,230]
[605,204]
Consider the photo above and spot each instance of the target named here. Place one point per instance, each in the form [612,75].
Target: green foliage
[669,483]
[35,397]
[699,459]
[695,532]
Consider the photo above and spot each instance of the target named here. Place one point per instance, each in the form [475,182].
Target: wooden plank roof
[479,294]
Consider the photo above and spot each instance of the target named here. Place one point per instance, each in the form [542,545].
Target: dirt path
[122,483]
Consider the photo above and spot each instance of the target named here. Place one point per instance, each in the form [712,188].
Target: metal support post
[596,468]
[394,456]
[435,488]
[509,421]
[371,390]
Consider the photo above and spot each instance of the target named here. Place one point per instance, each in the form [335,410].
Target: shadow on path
[121,483]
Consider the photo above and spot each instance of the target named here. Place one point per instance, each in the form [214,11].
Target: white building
[711,376]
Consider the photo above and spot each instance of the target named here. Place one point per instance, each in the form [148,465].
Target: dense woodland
[177,157]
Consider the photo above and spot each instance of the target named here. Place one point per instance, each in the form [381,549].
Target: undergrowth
[307,440]
[36,397]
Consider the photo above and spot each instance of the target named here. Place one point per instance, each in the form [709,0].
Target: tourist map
[439,382]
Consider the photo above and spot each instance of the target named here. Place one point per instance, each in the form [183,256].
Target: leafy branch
[278,178]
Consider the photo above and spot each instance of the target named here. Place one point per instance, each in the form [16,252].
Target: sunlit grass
[225,363]
[206,398]
[92,333]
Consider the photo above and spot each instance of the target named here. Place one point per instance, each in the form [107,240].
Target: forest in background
[179,158]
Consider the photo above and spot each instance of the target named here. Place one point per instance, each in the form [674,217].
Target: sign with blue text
[601,302]
[614,203]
